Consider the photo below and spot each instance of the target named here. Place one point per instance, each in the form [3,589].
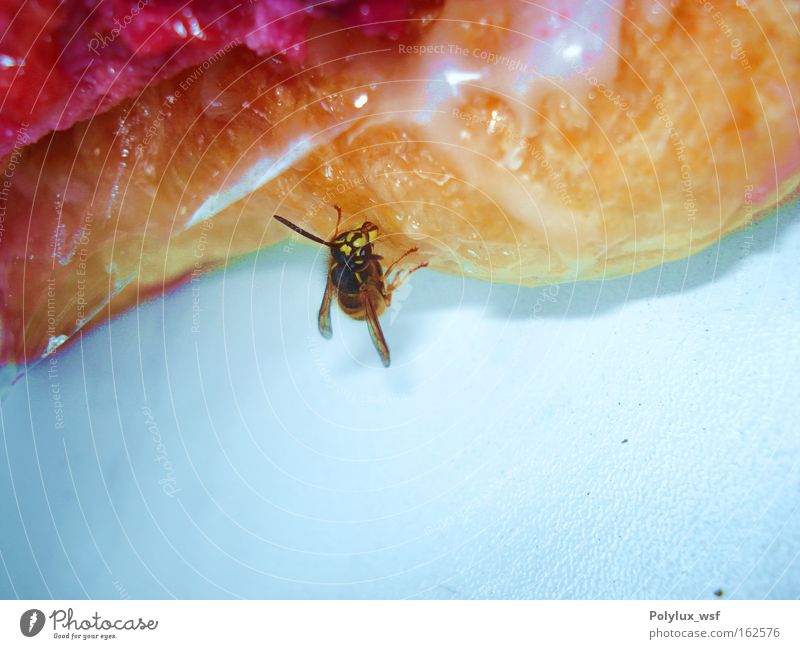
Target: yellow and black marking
[354,241]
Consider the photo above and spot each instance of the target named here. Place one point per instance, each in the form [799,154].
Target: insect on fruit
[356,277]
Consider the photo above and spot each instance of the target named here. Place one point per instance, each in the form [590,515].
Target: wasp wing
[325,310]
[374,325]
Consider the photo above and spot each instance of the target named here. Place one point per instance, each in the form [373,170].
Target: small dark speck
[587,493]
[625,441]
[719,592]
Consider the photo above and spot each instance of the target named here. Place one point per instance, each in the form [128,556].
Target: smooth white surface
[490,461]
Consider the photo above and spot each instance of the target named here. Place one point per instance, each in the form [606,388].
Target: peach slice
[536,144]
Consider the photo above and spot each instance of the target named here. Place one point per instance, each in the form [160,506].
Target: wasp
[357,279]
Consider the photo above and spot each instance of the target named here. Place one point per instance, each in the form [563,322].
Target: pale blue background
[488,462]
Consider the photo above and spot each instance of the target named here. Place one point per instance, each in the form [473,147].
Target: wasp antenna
[301,231]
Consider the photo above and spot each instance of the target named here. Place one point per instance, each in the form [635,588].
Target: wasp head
[351,242]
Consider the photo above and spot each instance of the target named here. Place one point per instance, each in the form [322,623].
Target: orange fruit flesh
[683,143]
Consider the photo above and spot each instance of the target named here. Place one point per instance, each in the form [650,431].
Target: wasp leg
[374,325]
[399,278]
[325,310]
[338,221]
[394,263]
